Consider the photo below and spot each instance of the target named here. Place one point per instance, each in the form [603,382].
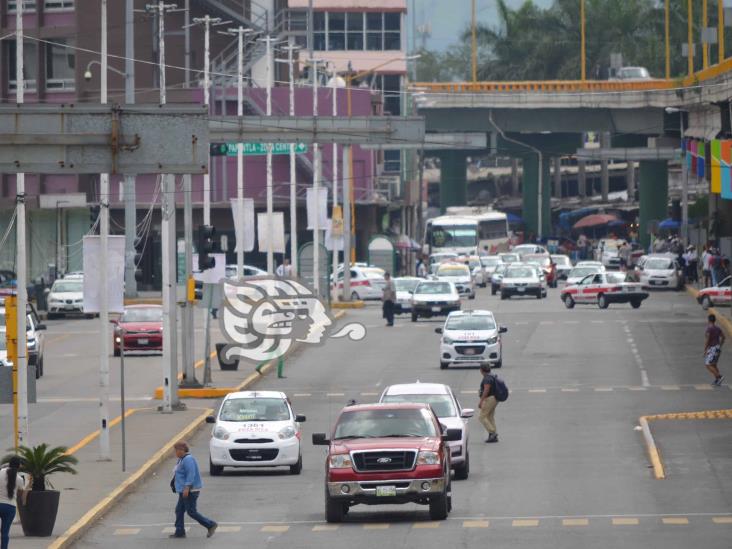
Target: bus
[493,232]
[452,234]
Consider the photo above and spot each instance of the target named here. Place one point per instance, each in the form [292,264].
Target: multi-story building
[61,50]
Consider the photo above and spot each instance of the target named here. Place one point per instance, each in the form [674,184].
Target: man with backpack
[492,391]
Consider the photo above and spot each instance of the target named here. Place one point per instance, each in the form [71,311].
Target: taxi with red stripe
[602,289]
[715,295]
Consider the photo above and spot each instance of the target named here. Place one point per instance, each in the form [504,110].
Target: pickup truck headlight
[340,461]
[428,458]
[221,433]
[287,432]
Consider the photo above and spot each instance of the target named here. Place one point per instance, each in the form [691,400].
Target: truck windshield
[409,422]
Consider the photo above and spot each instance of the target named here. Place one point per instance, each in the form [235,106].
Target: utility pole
[22,413]
[293,171]
[270,206]
[583,54]
[334,163]
[168,245]
[104,448]
[188,347]
[316,185]
[130,195]
[347,182]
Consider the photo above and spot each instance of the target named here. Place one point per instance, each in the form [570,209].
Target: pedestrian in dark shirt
[388,298]
[488,403]
[713,341]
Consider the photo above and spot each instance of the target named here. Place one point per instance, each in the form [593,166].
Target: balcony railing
[60,84]
[28,85]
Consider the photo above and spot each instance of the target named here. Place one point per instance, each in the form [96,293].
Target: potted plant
[38,512]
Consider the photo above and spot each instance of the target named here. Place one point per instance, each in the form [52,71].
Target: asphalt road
[570,469]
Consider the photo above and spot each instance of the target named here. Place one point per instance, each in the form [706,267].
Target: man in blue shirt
[187,484]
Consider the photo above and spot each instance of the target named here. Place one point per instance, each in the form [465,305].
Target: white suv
[447,409]
[255,429]
[471,337]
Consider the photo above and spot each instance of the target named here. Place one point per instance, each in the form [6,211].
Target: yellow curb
[721,319]
[143,301]
[347,305]
[91,436]
[115,496]
[653,454]
[691,290]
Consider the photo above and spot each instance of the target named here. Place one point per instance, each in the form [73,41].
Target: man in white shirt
[284,270]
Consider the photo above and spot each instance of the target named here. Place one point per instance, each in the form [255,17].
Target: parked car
[4,361]
[65,297]
[404,286]
[521,280]
[255,429]
[35,338]
[434,298]
[366,282]
[661,271]
[603,289]
[471,337]
[141,326]
[632,74]
[716,295]
[460,275]
[385,454]
[563,265]
[447,408]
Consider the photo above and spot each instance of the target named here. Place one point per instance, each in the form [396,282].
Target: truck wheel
[504,295]
[334,510]
[636,303]
[602,301]
[297,468]
[568,301]
[214,470]
[463,470]
[706,302]
[498,364]
[444,365]
[439,507]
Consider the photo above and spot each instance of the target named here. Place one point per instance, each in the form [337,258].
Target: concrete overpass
[539,121]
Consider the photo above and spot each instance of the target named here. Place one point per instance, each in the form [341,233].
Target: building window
[356,31]
[28,5]
[59,5]
[60,65]
[392,161]
[30,65]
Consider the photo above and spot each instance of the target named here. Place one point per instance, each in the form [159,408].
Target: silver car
[447,409]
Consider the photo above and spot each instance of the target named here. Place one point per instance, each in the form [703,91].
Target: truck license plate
[142,341]
[386,491]
[521,290]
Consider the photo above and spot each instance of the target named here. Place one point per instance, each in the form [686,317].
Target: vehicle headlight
[287,432]
[78,300]
[492,340]
[428,458]
[340,461]
[117,339]
[447,340]
[221,433]
[31,343]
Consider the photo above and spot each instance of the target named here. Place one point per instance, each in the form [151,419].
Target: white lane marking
[603,389]
[302,394]
[335,394]
[369,394]
[50,400]
[546,322]
[537,390]
[571,322]
[670,388]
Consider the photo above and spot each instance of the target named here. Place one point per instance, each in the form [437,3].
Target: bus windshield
[453,236]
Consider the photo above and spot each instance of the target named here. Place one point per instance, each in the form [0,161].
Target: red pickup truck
[382,454]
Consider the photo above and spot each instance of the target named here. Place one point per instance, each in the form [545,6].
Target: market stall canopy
[595,220]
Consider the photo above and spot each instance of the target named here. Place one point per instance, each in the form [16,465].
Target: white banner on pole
[243,223]
[278,227]
[115,273]
[322,208]
[330,240]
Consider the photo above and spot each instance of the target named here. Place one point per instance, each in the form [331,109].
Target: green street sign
[255,149]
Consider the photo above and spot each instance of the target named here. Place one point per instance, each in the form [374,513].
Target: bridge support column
[453,179]
[630,180]
[604,169]
[653,191]
[530,209]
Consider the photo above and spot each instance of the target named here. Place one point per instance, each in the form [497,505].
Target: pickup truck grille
[387,460]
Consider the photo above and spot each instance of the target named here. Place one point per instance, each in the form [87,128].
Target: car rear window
[520,272]
[151,314]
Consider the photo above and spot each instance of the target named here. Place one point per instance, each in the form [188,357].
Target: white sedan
[471,337]
[255,429]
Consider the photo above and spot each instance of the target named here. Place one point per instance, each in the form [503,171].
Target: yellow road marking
[126,531]
[575,522]
[91,436]
[520,523]
[325,528]
[376,526]
[229,529]
[476,524]
[675,520]
[722,520]
[432,524]
[625,521]
[277,528]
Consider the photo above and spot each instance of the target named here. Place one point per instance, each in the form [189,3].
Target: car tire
[444,365]
[439,506]
[602,301]
[484,285]
[335,510]
[296,469]
[471,296]
[354,296]
[498,364]
[706,302]
[635,303]
[504,295]
[39,366]
[51,316]
[214,470]
[415,316]
[89,315]
[539,295]
[116,352]
[493,290]
[462,471]
[568,301]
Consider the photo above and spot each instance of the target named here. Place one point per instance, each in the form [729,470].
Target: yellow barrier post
[11,334]
[667,26]
[720,29]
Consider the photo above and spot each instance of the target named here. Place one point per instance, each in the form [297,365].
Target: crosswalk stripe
[625,521]
[376,526]
[431,524]
[476,524]
[369,394]
[126,531]
[675,520]
[570,390]
[670,388]
[722,520]
[229,529]
[275,528]
[637,388]
[537,390]
[325,528]
[703,387]
[520,523]
[335,394]
[302,394]
[575,522]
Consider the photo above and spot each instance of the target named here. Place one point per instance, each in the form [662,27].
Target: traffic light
[206,234]
[194,290]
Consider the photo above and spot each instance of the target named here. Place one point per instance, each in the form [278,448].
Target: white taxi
[715,295]
[255,429]
[471,337]
[603,289]
[460,275]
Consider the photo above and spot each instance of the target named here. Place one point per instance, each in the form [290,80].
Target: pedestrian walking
[624,255]
[706,259]
[186,482]
[488,403]
[284,270]
[388,297]
[713,341]
[691,261]
[13,486]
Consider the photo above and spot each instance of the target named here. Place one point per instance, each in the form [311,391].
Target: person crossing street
[186,482]
[388,298]
[488,403]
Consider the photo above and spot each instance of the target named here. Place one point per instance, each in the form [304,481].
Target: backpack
[501,390]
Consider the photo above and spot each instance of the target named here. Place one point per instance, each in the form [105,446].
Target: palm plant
[43,461]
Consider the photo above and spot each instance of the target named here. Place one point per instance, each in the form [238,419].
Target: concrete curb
[653,454]
[77,529]
[721,319]
[348,304]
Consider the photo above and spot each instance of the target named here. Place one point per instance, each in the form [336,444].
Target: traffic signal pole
[188,348]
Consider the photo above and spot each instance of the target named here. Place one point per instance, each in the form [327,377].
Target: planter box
[223,363]
[38,515]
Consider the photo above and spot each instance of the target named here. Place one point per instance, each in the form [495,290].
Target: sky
[448,18]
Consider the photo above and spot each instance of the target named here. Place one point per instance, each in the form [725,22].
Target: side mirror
[438,330]
[210,419]
[502,330]
[320,439]
[300,419]
[40,327]
[453,435]
[467,412]
[113,321]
